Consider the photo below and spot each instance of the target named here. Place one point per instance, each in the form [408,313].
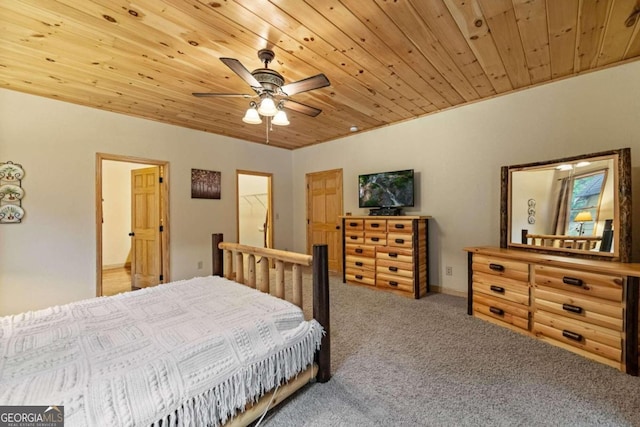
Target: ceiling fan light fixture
[280,118]
[251,116]
[267,107]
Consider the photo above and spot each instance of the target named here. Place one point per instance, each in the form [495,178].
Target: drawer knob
[393,283]
[358,263]
[375,225]
[496,310]
[359,277]
[498,289]
[353,237]
[375,239]
[394,269]
[353,224]
[401,241]
[572,308]
[573,281]
[496,267]
[571,335]
[399,226]
[393,255]
[359,251]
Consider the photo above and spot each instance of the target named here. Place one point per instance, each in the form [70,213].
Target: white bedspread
[185,353]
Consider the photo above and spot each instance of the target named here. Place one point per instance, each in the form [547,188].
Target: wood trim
[470,283]
[164,201]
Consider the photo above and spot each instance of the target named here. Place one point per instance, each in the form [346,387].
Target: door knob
[132,234]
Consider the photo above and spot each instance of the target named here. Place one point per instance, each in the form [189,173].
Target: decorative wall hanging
[205,184]
[11,193]
[531,211]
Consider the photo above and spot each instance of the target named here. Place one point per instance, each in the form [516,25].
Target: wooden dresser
[390,253]
[584,306]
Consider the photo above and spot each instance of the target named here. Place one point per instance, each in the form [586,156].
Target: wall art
[11,193]
[205,184]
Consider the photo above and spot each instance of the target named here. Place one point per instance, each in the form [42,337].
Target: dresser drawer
[390,281]
[394,254]
[517,270]
[591,338]
[400,240]
[355,237]
[489,307]
[399,226]
[394,268]
[365,277]
[360,262]
[375,225]
[501,287]
[360,250]
[596,311]
[354,224]
[375,239]
[580,282]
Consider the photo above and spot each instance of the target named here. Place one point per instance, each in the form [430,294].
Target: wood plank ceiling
[387,60]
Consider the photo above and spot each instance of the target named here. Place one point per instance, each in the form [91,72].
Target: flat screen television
[386,189]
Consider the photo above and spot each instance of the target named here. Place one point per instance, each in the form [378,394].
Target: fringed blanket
[191,352]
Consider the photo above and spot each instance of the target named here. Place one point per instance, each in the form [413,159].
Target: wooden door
[146,248]
[324,206]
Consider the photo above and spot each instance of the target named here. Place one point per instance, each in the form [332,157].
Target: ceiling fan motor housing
[270,79]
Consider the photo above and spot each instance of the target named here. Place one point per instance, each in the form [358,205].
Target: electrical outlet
[199,265]
[449,271]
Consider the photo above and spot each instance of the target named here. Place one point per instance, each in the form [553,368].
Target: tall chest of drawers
[587,307]
[387,252]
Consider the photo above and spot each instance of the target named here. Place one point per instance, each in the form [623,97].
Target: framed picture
[205,184]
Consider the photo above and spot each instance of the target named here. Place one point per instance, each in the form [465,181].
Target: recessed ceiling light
[353,128]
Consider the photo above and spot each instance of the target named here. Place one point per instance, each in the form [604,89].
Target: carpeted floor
[403,362]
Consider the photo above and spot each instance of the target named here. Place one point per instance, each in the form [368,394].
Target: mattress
[188,352]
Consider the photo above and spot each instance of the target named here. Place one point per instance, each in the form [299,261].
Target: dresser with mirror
[562,272]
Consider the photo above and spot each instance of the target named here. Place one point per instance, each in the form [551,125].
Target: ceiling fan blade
[237,67]
[301,108]
[222,95]
[304,85]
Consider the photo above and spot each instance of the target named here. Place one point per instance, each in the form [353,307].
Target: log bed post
[217,259]
[321,309]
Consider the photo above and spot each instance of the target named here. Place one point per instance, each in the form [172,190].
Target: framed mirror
[577,206]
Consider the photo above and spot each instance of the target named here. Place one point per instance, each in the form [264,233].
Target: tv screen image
[386,189]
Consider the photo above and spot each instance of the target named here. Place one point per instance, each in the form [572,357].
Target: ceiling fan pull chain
[267,123]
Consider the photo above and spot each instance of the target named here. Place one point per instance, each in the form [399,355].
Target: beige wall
[50,258]
[457,155]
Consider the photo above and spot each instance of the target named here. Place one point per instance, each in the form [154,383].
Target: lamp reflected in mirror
[581,218]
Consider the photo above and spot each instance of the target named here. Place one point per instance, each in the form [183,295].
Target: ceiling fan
[269,86]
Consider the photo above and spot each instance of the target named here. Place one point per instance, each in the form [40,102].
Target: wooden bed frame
[228,261]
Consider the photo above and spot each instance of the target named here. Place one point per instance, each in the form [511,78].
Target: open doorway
[132,227]
[255,213]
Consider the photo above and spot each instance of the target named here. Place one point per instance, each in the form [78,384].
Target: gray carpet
[404,362]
